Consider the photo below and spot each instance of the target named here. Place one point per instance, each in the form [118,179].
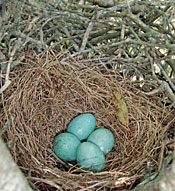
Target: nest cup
[47,94]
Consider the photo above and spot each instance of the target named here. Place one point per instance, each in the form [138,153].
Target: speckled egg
[65,146]
[103,138]
[82,125]
[90,157]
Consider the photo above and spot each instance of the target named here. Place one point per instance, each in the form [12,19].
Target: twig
[166,76]
[5,86]
[49,182]
[142,25]
[3,130]
[114,8]
[7,81]
[164,86]
[24,36]
[86,35]
[129,7]
[153,92]
[76,48]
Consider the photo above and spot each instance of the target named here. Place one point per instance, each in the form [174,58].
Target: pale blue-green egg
[65,146]
[82,125]
[103,138]
[90,157]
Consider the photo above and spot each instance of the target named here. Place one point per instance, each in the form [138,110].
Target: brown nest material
[47,94]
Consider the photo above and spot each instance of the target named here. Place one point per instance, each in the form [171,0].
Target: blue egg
[90,157]
[103,138]
[82,125]
[65,146]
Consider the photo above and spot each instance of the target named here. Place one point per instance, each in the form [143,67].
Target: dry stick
[30,24]
[27,38]
[74,44]
[141,24]
[7,81]
[89,29]
[24,36]
[129,7]
[18,43]
[164,86]
[5,86]
[122,37]
[6,125]
[49,182]
[166,76]
[126,41]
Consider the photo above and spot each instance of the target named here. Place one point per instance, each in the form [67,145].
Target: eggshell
[65,146]
[103,138]
[82,125]
[90,157]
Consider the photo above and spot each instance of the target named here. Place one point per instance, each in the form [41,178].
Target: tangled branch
[123,34]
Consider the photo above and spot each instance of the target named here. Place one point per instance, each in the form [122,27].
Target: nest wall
[47,94]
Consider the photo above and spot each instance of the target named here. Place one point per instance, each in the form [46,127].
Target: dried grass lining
[48,94]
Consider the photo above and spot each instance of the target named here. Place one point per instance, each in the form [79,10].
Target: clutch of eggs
[90,154]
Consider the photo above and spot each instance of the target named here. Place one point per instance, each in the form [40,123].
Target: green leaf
[121,108]
[67,42]
[131,50]
[90,54]
[4,44]
[116,25]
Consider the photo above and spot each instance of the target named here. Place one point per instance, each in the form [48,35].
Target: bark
[168,181]
[11,178]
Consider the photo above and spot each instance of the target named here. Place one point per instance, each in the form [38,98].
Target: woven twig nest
[46,95]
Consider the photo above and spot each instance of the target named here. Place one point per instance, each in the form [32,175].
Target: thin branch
[86,35]
[143,26]
[7,81]
[37,42]
[166,76]
[164,87]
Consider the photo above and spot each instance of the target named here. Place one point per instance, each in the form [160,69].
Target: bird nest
[47,94]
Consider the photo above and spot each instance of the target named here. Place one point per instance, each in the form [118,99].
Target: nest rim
[45,91]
